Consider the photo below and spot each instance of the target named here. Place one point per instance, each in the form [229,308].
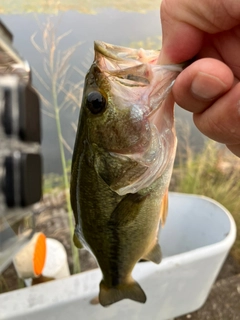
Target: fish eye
[95,102]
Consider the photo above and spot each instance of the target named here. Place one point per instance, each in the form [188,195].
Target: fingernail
[207,87]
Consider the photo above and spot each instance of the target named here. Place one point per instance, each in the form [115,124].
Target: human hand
[209,32]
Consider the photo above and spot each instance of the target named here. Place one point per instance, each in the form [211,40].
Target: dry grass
[64,95]
[214,172]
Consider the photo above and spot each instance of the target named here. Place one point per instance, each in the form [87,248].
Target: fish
[122,164]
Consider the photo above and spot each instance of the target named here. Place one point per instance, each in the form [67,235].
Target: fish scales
[122,164]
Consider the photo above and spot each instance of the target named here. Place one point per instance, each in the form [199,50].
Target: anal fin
[131,290]
[154,255]
[94,301]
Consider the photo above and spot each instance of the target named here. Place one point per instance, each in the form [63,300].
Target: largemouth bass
[122,164]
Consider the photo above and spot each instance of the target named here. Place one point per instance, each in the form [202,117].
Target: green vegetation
[83,6]
[150,43]
[214,172]
[54,181]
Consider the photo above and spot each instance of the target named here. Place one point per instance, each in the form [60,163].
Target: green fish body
[122,164]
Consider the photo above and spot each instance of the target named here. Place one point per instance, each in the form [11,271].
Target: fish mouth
[130,55]
[120,53]
[134,74]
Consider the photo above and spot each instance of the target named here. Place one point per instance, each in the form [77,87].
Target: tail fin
[131,290]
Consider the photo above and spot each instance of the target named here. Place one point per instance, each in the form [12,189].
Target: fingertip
[221,120]
[235,149]
[200,84]
[207,87]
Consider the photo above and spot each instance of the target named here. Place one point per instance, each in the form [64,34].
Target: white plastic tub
[195,241]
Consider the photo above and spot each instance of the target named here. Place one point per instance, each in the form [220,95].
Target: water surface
[109,25]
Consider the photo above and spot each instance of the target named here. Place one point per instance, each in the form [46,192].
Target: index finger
[185,22]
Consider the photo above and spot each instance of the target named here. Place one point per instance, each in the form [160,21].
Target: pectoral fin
[131,290]
[155,255]
[164,208]
[77,242]
[117,174]
[127,210]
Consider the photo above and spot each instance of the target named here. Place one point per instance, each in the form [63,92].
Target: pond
[111,25]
